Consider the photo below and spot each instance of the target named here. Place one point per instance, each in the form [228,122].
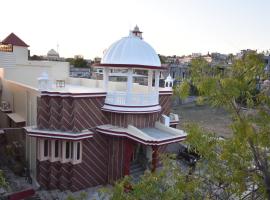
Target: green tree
[81,196]
[244,157]
[78,62]
[3,182]
[235,168]
[162,59]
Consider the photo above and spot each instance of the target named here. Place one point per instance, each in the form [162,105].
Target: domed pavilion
[91,132]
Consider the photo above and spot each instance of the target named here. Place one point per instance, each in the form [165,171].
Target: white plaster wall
[170,130]
[28,72]
[23,100]
[21,54]
[91,83]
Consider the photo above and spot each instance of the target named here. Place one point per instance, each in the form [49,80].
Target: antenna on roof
[57,47]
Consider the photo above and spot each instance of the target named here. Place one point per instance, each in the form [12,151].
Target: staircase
[136,171]
[34,197]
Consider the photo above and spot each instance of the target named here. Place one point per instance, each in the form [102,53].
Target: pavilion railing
[131,99]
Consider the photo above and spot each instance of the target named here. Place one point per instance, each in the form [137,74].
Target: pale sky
[171,27]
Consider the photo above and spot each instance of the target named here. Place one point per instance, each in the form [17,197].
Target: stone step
[35,197]
[134,166]
[132,171]
[136,177]
[136,171]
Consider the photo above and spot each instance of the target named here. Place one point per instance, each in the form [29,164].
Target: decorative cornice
[130,66]
[131,109]
[34,132]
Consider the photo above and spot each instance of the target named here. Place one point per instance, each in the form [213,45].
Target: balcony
[125,99]
[131,102]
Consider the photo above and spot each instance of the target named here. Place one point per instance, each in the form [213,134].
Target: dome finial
[136,32]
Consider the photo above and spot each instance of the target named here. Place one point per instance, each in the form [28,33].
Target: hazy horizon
[172,27]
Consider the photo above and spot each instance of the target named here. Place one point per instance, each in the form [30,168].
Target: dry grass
[211,119]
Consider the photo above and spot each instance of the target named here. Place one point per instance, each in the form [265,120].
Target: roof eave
[129,66]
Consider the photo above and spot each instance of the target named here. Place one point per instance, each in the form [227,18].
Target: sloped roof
[158,135]
[14,40]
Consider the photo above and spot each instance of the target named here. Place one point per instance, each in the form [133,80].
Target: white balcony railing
[133,99]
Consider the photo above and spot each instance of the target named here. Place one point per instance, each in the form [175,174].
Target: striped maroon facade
[70,114]
[165,101]
[77,114]
[141,120]
[116,158]
[104,158]
[137,120]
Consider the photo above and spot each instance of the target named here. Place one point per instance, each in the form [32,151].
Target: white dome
[52,52]
[131,50]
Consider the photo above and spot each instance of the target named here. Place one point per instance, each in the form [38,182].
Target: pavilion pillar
[129,85]
[129,148]
[154,158]
[105,78]
[129,81]
[150,80]
[157,80]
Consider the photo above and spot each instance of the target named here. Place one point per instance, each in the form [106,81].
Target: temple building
[53,56]
[81,132]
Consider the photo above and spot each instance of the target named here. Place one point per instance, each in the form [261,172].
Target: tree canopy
[78,62]
[234,168]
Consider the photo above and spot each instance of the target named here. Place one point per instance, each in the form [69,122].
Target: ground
[211,119]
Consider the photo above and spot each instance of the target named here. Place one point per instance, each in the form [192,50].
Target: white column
[52,157]
[105,78]
[157,80]
[129,81]
[129,86]
[150,79]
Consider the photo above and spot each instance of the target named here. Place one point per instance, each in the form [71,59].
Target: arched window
[78,150]
[71,150]
[46,148]
[56,149]
[67,150]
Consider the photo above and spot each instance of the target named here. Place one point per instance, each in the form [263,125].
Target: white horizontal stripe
[33,130]
[141,141]
[59,137]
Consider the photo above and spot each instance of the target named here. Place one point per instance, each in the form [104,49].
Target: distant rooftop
[14,40]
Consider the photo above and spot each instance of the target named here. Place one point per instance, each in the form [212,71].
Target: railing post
[129,85]
[105,78]
[119,98]
[156,80]
[150,80]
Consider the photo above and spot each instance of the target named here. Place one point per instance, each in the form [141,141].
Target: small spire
[136,32]
[169,82]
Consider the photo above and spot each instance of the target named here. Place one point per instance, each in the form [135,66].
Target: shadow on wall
[12,149]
